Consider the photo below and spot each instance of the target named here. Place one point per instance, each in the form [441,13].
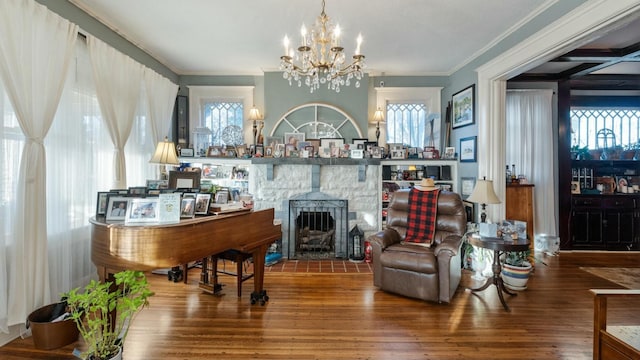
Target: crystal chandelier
[320,58]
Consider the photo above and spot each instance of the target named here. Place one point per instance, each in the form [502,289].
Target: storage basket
[51,335]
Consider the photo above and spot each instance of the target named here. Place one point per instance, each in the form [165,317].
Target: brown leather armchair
[432,273]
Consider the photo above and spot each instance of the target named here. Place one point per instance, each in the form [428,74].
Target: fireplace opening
[317,229]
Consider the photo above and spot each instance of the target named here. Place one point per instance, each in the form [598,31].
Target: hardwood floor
[343,316]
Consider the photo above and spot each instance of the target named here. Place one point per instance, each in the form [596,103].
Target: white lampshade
[378,116]
[165,153]
[254,114]
[483,193]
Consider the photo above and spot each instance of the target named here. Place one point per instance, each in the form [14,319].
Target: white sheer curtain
[35,49]
[529,146]
[78,146]
[140,146]
[161,96]
[118,81]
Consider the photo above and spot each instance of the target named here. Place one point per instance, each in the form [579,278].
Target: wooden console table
[116,246]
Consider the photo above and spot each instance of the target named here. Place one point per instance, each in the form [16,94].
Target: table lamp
[378,117]
[165,155]
[483,194]
[254,116]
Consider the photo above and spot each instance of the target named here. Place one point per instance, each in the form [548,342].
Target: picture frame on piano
[202,203]
[142,210]
[117,207]
[187,207]
[184,179]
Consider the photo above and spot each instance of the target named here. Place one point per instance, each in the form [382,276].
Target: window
[224,119]
[406,124]
[412,115]
[220,110]
[604,127]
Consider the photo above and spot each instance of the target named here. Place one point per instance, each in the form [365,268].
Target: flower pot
[516,277]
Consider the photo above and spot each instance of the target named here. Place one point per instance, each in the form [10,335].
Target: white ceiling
[244,37]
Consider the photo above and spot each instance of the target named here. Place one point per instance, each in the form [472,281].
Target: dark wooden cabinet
[605,222]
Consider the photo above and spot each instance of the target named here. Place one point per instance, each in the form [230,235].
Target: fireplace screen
[317,229]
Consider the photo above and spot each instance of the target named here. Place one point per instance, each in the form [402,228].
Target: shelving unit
[605,217]
[403,174]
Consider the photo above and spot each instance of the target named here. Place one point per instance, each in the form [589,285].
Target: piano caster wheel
[175,274]
[261,297]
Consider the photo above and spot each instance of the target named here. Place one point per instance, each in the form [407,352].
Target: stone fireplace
[338,192]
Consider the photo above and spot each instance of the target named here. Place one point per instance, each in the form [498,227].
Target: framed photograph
[268,151]
[230,151]
[359,143]
[377,152]
[272,141]
[468,149]
[137,190]
[288,148]
[314,142]
[186,152]
[449,153]
[214,151]
[157,184]
[202,203]
[469,209]
[169,208]
[222,196]
[398,154]
[293,138]
[102,202]
[357,153]
[332,143]
[143,210]
[467,184]
[187,207]
[184,179]
[259,150]
[241,150]
[117,208]
[463,107]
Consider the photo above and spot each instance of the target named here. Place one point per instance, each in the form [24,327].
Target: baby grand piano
[116,246]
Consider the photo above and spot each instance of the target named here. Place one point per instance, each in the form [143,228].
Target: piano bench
[239,258]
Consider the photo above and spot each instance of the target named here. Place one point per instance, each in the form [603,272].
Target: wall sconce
[165,155]
[483,194]
[254,116]
[378,117]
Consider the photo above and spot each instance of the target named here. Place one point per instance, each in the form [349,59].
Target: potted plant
[102,313]
[516,269]
[581,153]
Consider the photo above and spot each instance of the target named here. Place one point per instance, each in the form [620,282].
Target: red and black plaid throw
[421,220]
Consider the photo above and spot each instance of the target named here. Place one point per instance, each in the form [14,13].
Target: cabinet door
[586,228]
[618,229]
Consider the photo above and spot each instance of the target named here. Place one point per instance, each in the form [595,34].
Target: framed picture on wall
[468,149]
[467,184]
[463,108]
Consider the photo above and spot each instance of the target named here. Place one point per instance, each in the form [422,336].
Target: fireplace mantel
[271,162]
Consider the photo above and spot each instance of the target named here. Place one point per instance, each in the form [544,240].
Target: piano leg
[259,294]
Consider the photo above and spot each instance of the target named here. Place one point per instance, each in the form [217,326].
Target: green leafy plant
[517,258]
[93,308]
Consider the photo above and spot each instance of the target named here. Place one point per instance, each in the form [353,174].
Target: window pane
[602,128]
[224,119]
[406,124]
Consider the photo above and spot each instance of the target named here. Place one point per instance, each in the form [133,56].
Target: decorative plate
[232,135]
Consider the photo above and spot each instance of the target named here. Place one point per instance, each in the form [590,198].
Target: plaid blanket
[421,220]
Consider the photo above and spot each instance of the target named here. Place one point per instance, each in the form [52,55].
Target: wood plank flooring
[343,316]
